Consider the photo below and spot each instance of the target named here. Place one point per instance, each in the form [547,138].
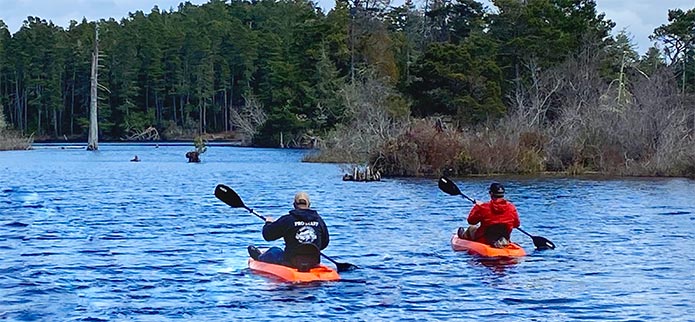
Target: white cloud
[633,24]
[60,12]
[640,17]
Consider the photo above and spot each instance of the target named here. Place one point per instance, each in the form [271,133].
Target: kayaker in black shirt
[300,227]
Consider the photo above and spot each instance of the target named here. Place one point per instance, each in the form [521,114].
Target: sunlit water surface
[92,236]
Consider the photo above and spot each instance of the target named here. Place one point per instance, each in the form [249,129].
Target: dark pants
[274,255]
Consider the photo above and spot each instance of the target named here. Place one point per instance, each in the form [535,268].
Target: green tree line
[190,69]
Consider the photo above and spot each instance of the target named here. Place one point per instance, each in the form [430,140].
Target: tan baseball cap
[302,198]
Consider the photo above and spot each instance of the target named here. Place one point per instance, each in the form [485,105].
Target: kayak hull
[290,274]
[480,249]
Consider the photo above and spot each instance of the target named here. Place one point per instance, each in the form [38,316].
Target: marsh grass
[11,140]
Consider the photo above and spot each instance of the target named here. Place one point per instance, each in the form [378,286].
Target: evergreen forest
[453,86]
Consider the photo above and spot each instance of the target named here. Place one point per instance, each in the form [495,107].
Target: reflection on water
[93,236]
[498,265]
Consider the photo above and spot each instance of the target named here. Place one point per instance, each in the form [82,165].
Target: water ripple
[151,242]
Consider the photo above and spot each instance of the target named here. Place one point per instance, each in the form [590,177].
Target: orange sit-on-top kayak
[291,274]
[511,250]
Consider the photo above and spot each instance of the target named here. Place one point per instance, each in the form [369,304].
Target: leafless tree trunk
[248,119]
[93,140]
[531,101]
[370,123]
[3,124]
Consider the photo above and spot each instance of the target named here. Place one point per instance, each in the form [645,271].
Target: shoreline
[560,175]
[134,143]
[48,144]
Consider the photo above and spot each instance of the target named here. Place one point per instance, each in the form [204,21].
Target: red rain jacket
[496,211]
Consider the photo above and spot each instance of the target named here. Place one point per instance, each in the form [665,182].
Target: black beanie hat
[497,190]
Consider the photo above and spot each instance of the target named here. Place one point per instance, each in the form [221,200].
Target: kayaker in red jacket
[302,229]
[491,222]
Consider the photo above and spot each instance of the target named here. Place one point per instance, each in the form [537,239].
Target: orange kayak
[290,274]
[475,248]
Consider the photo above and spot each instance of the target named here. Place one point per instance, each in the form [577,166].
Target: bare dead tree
[148,134]
[369,122]
[366,105]
[93,139]
[641,128]
[531,100]
[662,116]
[578,97]
[248,119]
[3,123]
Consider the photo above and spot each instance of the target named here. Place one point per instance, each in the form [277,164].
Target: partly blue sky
[638,17]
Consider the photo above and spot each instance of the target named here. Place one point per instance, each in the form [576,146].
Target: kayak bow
[291,274]
[480,249]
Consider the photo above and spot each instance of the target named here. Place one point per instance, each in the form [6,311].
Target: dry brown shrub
[335,155]
[421,149]
[531,161]
[687,167]
[598,128]
[12,140]
[493,151]
[532,140]
[612,159]
[575,169]
[398,157]
[666,130]
[465,164]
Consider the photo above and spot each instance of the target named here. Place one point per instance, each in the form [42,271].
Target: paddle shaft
[331,259]
[523,231]
[467,197]
[255,213]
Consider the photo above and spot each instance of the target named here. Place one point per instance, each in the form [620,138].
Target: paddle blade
[344,267]
[542,243]
[448,186]
[228,196]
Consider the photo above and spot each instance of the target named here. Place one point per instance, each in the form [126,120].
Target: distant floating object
[135,159]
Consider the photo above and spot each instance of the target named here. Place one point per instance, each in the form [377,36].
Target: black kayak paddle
[231,198]
[449,187]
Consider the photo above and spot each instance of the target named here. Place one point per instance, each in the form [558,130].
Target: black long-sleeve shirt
[297,227]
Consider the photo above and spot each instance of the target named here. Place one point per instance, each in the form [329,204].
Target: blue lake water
[92,236]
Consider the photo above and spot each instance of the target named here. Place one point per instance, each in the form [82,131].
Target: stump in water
[200,148]
[365,175]
[193,156]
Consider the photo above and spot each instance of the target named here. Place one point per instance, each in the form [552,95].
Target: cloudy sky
[638,17]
